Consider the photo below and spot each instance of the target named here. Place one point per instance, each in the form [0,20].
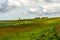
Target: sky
[25,9]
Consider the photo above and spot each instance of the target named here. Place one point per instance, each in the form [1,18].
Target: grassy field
[30,29]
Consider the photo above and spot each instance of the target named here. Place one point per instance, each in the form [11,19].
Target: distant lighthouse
[19,18]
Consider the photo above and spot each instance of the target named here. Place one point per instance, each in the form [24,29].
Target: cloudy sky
[12,9]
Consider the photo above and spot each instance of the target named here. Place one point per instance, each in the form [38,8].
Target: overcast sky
[12,9]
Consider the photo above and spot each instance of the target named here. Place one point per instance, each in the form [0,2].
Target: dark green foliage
[37,18]
[50,34]
[37,39]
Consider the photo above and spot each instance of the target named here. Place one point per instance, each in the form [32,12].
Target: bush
[50,34]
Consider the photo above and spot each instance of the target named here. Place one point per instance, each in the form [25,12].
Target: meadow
[30,29]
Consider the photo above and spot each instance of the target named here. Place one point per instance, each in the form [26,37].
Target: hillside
[30,29]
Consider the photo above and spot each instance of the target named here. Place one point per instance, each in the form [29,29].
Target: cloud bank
[10,9]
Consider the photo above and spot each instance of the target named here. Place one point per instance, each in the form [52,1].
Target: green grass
[42,29]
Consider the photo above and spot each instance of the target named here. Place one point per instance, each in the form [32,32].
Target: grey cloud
[4,6]
[54,11]
[52,1]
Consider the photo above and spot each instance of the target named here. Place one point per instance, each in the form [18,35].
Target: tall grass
[43,29]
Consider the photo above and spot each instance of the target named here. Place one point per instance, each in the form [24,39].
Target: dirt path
[14,30]
[57,29]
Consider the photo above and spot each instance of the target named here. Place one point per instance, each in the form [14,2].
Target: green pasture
[43,29]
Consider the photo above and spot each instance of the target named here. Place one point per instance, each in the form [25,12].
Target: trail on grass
[57,29]
[11,29]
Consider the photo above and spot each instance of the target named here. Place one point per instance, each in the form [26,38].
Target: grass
[33,29]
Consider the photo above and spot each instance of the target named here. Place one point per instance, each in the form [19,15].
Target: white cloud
[24,6]
[13,3]
[33,9]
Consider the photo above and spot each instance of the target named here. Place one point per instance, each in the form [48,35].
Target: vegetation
[30,29]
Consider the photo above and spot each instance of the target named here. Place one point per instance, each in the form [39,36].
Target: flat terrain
[30,29]
[14,30]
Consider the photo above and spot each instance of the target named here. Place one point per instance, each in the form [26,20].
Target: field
[30,29]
